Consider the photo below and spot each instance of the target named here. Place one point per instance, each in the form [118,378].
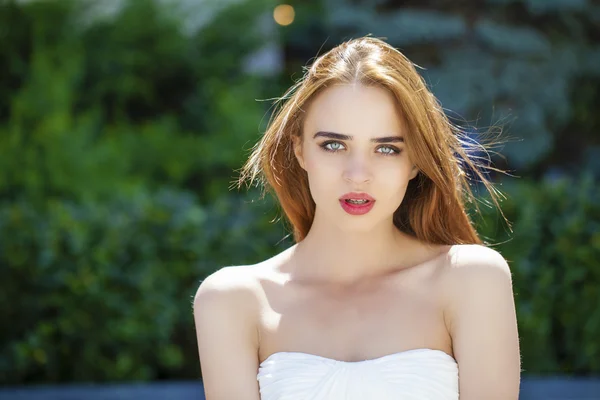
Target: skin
[351,288]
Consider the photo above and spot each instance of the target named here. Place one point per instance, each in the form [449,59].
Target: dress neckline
[369,360]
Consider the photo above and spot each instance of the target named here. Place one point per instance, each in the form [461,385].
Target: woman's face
[353,143]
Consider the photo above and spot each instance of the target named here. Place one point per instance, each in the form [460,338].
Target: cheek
[323,174]
[317,163]
[394,180]
[319,175]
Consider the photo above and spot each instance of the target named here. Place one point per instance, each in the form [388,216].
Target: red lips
[357,209]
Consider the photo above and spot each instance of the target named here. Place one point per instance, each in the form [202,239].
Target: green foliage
[554,255]
[103,291]
[91,292]
[410,26]
[547,6]
[114,128]
[116,102]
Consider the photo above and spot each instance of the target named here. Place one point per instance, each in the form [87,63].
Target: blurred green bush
[103,291]
[93,104]
[554,254]
[114,129]
[119,134]
[95,292]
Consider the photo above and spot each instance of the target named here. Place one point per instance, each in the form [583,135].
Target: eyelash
[395,151]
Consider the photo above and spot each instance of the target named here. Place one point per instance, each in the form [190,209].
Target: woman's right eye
[332,146]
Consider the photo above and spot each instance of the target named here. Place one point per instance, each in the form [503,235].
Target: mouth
[357,198]
[357,203]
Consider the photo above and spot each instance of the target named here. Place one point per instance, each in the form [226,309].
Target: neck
[331,254]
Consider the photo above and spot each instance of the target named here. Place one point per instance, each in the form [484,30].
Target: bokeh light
[284,14]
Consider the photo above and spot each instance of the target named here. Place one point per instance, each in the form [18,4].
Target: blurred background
[123,122]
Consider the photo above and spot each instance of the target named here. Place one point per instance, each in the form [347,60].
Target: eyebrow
[339,136]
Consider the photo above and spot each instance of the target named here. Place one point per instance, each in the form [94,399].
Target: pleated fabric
[423,374]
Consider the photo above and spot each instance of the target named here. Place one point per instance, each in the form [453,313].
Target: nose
[357,170]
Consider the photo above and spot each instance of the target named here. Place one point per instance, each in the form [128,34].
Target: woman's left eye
[332,146]
[388,150]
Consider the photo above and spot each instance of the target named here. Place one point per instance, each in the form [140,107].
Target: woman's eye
[332,146]
[388,150]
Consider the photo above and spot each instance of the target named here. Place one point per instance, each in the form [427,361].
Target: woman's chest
[374,321]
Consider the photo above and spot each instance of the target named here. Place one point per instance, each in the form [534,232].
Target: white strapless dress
[423,374]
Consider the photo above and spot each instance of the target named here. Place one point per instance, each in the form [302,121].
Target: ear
[414,172]
[296,143]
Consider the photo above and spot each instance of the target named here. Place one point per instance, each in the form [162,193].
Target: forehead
[358,110]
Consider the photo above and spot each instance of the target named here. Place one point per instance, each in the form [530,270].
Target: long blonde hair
[433,209]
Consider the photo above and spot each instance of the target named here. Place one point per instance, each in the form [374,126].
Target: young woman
[388,292]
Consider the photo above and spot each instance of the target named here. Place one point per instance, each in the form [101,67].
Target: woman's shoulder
[229,279]
[237,284]
[476,259]
[229,291]
[474,271]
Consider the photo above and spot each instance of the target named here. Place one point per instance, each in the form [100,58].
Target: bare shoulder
[233,285]
[226,310]
[477,281]
[481,318]
[227,279]
[473,262]
[237,284]
[474,274]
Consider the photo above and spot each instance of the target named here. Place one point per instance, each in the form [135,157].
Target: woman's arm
[482,321]
[225,311]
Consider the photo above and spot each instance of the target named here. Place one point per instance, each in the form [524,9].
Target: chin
[358,224]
